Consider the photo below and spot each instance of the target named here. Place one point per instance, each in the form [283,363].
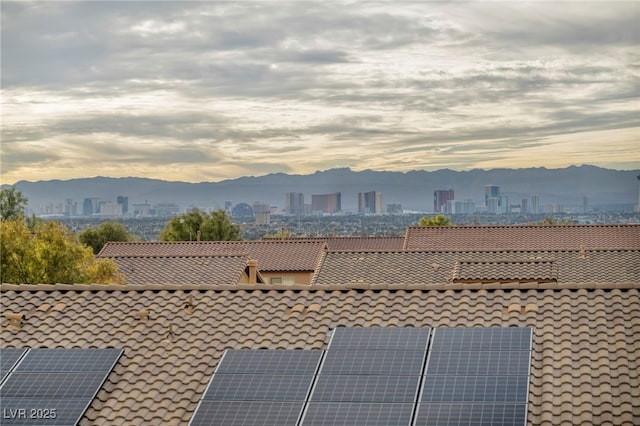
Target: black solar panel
[55,386]
[263,361]
[380,338]
[258,387]
[471,414]
[405,363]
[481,339]
[360,388]
[355,414]
[476,376]
[8,359]
[247,413]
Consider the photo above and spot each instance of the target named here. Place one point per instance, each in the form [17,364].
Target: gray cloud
[205,82]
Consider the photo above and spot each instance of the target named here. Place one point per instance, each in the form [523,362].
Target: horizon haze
[207,91]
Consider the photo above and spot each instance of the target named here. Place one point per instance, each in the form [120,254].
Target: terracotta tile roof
[585,359]
[355,243]
[518,237]
[272,255]
[438,267]
[184,270]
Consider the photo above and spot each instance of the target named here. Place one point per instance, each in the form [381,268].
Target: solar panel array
[258,387]
[476,376]
[377,376]
[53,386]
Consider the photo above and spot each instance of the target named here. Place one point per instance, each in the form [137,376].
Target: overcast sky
[205,91]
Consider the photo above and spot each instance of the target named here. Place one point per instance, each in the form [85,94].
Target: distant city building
[394,208]
[440,199]
[492,199]
[90,206]
[70,207]
[370,202]
[262,213]
[124,202]
[242,210]
[294,203]
[166,209]
[142,210]
[585,204]
[535,204]
[524,206]
[326,203]
[467,206]
[110,209]
[228,206]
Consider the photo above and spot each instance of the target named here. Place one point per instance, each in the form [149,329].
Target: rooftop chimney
[253,270]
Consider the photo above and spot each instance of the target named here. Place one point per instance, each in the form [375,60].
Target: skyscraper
[440,199]
[535,204]
[294,203]
[326,203]
[492,199]
[370,202]
[124,202]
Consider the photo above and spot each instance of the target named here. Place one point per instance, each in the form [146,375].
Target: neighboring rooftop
[585,353]
[523,237]
[443,267]
[272,255]
[195,270]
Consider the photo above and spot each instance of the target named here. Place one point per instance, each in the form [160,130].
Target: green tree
[12,204]
[50,254]
[197,225]
[438,220]
[97,236]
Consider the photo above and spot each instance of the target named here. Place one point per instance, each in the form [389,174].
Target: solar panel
[476,376]
[8,359]
[405,363]
[482,339]
[247,413]
[264,361]
[55,386]
[471,414]
[258,387]
[360,388]
[380,338]
[355,414]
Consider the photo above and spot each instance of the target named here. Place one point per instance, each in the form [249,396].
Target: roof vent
[15,320]
[143,314]
[583,253]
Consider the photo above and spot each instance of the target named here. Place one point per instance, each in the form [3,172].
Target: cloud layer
[212,90]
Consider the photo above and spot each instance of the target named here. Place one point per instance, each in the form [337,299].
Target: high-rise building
[524,206]
[370,202]
[124,202]
[326,203]
[492,199]
[440,199]
[535,204]
[90,206]
[294,203]
[394,208]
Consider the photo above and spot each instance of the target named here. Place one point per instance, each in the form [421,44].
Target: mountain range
[413,190]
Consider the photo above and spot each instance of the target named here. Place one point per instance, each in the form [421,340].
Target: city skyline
[204,91]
